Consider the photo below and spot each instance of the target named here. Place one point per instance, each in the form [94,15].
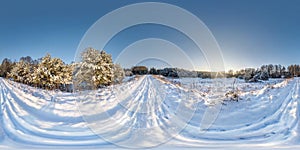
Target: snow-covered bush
[232,95]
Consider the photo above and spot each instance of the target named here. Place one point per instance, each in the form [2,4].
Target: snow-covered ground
[148,111]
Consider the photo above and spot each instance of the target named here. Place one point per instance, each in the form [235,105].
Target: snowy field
[147,110]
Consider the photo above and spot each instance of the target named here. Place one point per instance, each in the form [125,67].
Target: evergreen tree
[26,59]
[153,71]
[67,74]
[6,67]
[56,68]
[94,70]
[104,72]
[21,72]
[230,74]
[42,74]
[119,73]
[249,74]
[14,73]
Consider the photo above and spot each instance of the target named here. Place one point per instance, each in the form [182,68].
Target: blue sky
[250,32]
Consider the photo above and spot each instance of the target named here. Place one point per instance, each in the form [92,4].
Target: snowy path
[146,111]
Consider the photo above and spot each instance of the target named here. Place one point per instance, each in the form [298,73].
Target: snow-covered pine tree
[119,73]
[56,68]
[104,74]
[67,74]
[94,70]
[51,73]
[28,70]
[14,73]
[21,72]
[84,71]
[6,67]
[42,74]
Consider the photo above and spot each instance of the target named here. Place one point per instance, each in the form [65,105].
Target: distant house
[139,70]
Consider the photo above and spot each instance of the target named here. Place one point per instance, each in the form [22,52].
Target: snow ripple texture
[267,115]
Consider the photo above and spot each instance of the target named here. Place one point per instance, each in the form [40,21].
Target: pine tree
[56,68]
[67,74]
[21,72]
[84,70]
[119,73]
[14,73]
[83,73]
[104,71]
[6,67]
[42,74]
[50,73]
[94,70]
[28,70]
[153,71]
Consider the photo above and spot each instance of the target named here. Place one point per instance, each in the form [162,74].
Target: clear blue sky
[249,32]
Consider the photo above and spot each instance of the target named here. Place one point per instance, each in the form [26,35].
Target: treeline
[172,72]
[95,69]
[167,72]
[265,72]
[46,72]
[249,74]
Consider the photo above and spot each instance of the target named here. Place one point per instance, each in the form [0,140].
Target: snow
[147,111]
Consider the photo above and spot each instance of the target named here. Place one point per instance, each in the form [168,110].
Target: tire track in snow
[149,115]
[297,113]
[23,127]
[2,134]
[148,104]
[275,128]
